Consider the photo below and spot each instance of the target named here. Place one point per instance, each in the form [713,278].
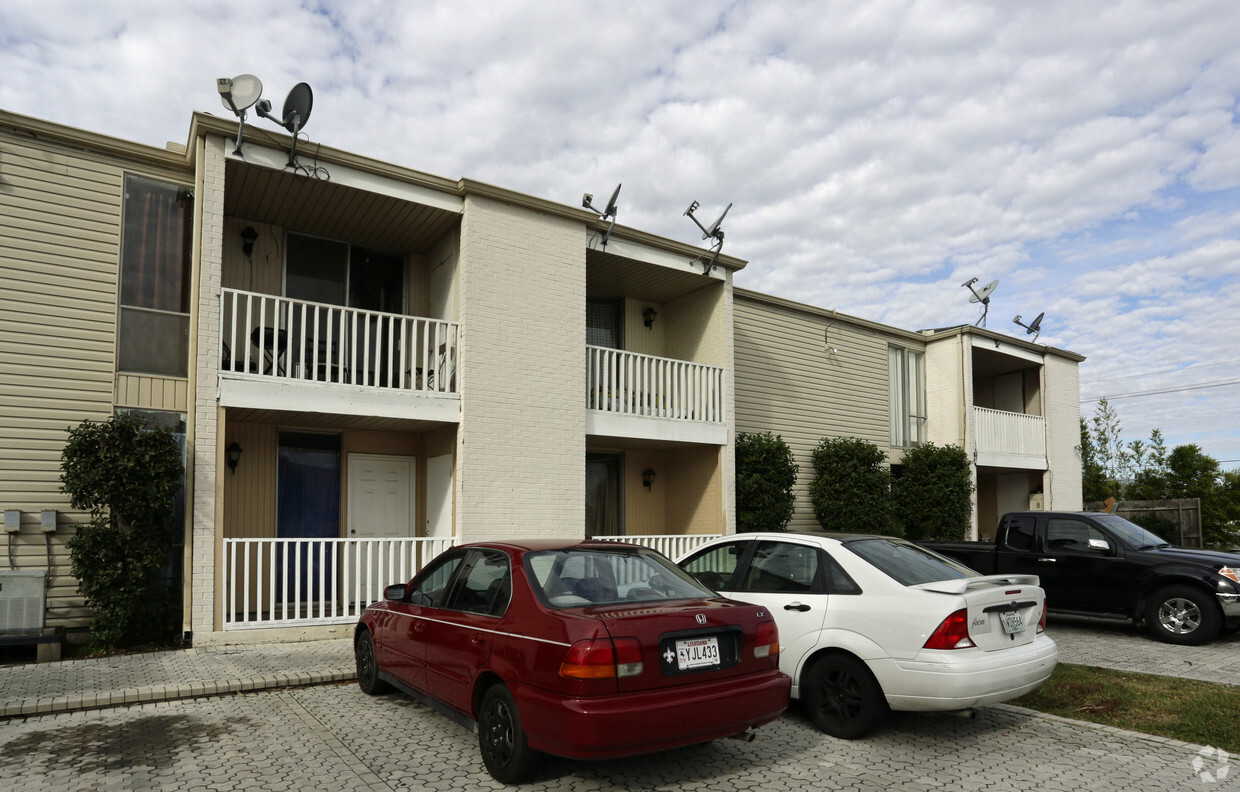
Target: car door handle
[478,640]
[1045,560]
[797,606]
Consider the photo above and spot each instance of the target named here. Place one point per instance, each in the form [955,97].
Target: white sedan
[872,623]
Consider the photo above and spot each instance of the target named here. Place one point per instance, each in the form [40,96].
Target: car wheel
[507,756]
[368,666]
[1182,615]
[843,698]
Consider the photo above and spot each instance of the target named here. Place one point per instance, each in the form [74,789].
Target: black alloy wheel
[842,697]
[368,666]
[507,756]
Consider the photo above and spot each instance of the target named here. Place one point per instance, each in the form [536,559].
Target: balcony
[1012,440]
[333,358]
[631,395]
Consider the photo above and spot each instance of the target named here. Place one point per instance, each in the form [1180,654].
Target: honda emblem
[701,618]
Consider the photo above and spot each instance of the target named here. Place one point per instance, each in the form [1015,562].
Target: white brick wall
[1061,384]
[521,446]
[210,201]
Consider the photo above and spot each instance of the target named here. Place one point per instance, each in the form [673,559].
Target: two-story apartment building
[807,373]
[364,363]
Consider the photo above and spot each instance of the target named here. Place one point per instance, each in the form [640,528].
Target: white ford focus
[872,623]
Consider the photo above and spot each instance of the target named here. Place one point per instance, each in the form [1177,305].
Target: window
[431,586]
[603,323]
[485,586]
[784,567]
[1074,536]
[715,567]
[907,373]
[1020,533]
[153,331]
[907,563]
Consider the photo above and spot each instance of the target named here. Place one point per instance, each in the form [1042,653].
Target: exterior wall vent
[22,601]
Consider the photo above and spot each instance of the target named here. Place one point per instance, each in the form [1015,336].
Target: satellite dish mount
[607,214]
[239,94]
[1034,328]
[294,117]
[713,231]
[982,296]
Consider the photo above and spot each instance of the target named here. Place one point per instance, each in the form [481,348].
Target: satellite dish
[240,93]
[713,231]
[296,114]
[608,213]
[982,296]
[1034,328]
[297,107]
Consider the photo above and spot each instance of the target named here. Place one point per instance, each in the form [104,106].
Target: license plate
[697,653]
[1012,622]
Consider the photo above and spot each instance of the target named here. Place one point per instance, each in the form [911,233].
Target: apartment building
[807,373]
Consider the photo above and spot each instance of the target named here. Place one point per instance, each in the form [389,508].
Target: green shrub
[126,477]
[851,491]
[931,493]
[765,475]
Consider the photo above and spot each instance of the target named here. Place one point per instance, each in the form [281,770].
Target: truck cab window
[1020,533]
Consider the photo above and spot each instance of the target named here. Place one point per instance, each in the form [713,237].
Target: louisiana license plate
[1012,622]
[697,653]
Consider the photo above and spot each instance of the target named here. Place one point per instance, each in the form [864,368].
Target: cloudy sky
[879,153]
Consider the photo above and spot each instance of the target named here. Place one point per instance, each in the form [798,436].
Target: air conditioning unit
[22,601]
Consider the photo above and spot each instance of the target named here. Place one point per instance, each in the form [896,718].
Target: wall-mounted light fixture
[248,237]
[648,477]
[234,456]
[648,316]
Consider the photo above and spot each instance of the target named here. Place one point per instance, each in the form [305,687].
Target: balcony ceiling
[321,208]
[987,363]
[309,420]
[616,276]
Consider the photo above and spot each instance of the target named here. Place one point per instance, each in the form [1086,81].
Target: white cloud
[879,152]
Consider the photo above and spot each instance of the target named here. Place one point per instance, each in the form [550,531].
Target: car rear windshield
[575,577]
[907,563]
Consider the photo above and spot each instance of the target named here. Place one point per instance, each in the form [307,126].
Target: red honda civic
[588,650]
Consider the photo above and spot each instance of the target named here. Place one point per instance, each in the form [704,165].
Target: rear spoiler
[961,585]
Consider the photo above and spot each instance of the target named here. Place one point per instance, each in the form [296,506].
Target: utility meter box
[22,601]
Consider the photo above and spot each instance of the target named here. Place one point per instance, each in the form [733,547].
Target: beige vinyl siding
[152,393]
[790,384]
[60,220]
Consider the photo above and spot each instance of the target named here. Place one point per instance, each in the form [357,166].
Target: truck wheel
[843,698]
[1182,615]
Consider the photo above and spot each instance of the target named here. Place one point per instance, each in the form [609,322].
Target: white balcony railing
[307,582]
[629,383]
[300,582]
[1009,434]
[266,336]
[671,545]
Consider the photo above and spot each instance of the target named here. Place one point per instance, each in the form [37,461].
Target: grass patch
[1182,709]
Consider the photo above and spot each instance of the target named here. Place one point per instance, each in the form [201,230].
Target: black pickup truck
[1103,565]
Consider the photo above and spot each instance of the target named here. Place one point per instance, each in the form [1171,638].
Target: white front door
[381,506]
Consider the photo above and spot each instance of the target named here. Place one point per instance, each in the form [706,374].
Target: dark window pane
[907,563]
[153,343]
[317,270]
[1020,533]
[782,566]
[716,566]
[155,249]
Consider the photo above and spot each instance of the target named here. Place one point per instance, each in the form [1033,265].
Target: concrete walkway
[74,685]
[165,676]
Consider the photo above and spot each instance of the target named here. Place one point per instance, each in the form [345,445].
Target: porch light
[248,237]
[648,477]
[234,456]
[648,315]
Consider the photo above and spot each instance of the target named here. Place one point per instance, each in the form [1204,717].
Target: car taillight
[603,658]
[1042,619]
[953,633]
[766,640]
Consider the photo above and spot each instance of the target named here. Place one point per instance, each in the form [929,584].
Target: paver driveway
[334,738]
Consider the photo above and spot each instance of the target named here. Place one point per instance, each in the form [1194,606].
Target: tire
[505,752]
[843,698]
[1182,615]
[368,666]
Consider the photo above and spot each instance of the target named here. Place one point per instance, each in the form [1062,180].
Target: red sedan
[587,650]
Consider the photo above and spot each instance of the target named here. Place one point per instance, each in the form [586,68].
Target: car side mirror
[394,592]
[1100,544]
